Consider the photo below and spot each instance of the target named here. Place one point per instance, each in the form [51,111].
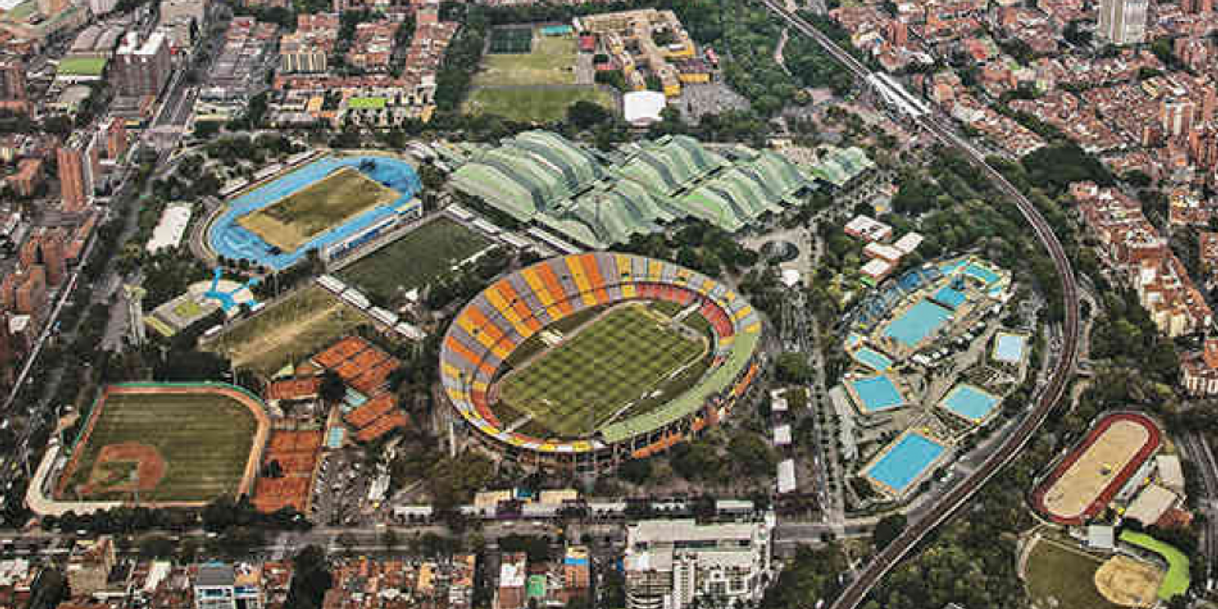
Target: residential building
[79,165]
[223,586]
[1123,21]
[12,78]
[27,178]
[511,593]
[89,565]
[142,68]
[116,138]
[183,19]
[671,563]
[101,7]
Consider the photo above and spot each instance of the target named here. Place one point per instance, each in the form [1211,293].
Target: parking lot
[340,490]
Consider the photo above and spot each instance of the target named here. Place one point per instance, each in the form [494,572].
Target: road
[1198,449]
[1044,400]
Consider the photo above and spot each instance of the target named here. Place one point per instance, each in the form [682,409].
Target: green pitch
[615,361]
[295,219]
[205,440]
[414,260]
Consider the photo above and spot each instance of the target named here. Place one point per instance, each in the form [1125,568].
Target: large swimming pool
[920,321]
[970,402]
[877,393]
[872,359]
[905,461]
[229,239]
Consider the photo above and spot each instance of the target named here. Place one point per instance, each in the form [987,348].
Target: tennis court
[905,461]
[920,321]
[970,403]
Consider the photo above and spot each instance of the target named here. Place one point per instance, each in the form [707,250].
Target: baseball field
[1063,577]
[601,371]
[166,444]
[295,219]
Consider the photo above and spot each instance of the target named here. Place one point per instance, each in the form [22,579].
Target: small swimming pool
[981,273]
[950,268]
[905,461]
[950,297]
[872,359]
[920,321]
[877,393]
[1009,348]
[969,402]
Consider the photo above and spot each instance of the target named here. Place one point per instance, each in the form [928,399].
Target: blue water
[877,392]
[903,463]
[950,268]
[970,402]
[981,273]
[230,240]
[226,298]
[872,359]
[917,323]
[1009,348]
[334,439]
[950,297]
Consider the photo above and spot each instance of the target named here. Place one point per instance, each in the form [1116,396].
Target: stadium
[579,362]
[1108,459]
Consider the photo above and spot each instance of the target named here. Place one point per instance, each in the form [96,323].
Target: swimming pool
[920,321]
[872,359]
[981,273]
[1008,348]
[970,402]
[905,461]
[950,268]
[877,393]
[950,297]
[229,239]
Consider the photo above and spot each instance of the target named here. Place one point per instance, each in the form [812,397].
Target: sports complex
[331,204]
[579,362]
[126,452]
[1091,475]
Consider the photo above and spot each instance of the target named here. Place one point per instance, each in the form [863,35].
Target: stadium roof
[540,177]
[840,165]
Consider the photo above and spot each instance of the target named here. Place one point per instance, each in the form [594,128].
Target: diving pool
[969,402]
[950,297]
[872,359]
[877,393]
[1009,348]
[231,240]
[981,273]
[905,461]
[920,321]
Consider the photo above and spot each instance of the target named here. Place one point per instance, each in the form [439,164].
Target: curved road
[1044,401]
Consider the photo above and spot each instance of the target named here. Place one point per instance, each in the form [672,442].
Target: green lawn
[1067,577]
[366,103]
[540,105]
[551,62]
[1177,580]
[295,219]
[288,332]
[618,359]
[415,259]
[82,66]
[205,440]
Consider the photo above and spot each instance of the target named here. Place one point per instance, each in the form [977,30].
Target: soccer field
[415,259]
[589,378]
[295,219]
[550,62]
[203,441]
[533,104]
[288,331]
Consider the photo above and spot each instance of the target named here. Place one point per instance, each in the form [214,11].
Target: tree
[585,114]
[332,388]
[887,529]
[310,579]
[793,367]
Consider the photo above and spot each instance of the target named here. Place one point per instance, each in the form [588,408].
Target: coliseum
[497,321]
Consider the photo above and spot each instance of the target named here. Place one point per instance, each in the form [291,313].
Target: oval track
[1044,400]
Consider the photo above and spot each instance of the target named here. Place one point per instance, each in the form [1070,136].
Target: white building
[1123,21]
[669,563]
[223,586]
[101,7]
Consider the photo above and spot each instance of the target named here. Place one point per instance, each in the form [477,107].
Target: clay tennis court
[1088,478]
[1129,583]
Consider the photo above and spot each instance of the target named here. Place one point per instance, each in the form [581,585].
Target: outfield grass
[288,331]
[1067,577]
[205,440]
[577,386]
[550,62]
[540,105]
[415,259]
[1177,580]
[295,219]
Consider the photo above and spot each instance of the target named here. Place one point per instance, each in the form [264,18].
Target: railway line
[1046,397]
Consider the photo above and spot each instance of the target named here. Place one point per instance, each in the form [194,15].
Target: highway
[1048,395]
[1198,449]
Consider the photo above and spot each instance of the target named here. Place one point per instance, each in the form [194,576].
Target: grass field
[288,331]
[295,219]
[541,105]
[550,62]
[612,362]
[1177,580]
[205,440]
[415,259]
[1058,574]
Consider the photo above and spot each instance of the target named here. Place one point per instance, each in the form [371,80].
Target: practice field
[550,62]
[295,219]
[415,259]
[288,331]
[533,104]
[182,444]
[1063,577]
[1127,582]
[599,372]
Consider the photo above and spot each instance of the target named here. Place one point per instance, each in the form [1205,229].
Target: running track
[1046,397]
